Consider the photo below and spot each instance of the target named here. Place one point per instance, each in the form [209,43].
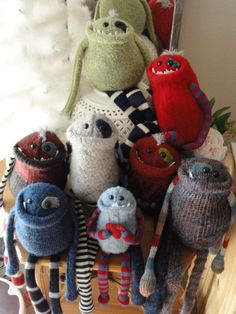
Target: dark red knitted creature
[183,110]
[153,167]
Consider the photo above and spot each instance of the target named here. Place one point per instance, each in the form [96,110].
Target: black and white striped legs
[5,178]
[38,301]
[83,264]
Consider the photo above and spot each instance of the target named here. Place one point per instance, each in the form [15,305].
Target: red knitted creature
[153,167]
[183,110]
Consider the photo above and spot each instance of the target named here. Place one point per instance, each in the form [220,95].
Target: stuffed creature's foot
[103,299]
[54,294]
[123,300]
[173,138]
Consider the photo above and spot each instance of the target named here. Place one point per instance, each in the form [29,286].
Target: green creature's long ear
[149,25]
[143,49]
[97,10]
[76,77]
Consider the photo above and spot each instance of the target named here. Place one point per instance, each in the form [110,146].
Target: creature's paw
[103,299]
[123,300]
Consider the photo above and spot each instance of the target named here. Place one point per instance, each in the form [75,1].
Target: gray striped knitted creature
[200,215]
[93,164]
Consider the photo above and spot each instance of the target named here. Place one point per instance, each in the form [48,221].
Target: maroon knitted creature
[153,167]
[39,157]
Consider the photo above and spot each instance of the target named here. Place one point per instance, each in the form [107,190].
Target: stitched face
[108,29]
[117,199]
[40,200]
[93,127]
[39,148]
[169,67]
[148,152]
[207,173]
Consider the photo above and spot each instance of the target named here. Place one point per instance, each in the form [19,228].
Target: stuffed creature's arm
[76,77]
[134,239]
[12,266]
[5,178]
[143,49]
[102,234]
[71,290]
[148,280]
[205,106]
[218,262]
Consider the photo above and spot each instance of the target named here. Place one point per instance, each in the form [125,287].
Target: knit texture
[183,110]
[152,167]
[93,165]
[117,225]
[135,12]
[200,215]
[39,157]
[114,57]
[45,225]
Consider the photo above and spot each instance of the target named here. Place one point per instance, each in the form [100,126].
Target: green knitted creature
[115,58]
[135,12]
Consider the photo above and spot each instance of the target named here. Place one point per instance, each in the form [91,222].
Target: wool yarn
[199,216]
[182,109]
[152,168]
[45,225]
[111,47]
[116,224]
[93,165]
[135,12]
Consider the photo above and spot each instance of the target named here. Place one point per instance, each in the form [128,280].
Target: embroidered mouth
[165,72]
[111,32]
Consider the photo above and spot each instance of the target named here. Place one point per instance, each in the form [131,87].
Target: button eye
[48,204]
[86,126]
[216,174]
[49,148]
[206,170]
[29,201]
[33,145]
[121,198]
[149,150]
[111,197]
[163,154]
[159,63]
[105,24]
[170,62]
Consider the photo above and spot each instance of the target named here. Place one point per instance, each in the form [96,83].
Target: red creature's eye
[149,150]
[159,63]
[33,145]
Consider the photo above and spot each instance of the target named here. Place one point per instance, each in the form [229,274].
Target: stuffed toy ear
[76,77]
[149,24]
[143,49]
[97,10]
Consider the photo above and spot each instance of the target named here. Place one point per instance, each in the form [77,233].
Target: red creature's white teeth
[163,72]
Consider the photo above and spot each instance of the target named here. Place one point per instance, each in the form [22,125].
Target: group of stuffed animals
[151,171]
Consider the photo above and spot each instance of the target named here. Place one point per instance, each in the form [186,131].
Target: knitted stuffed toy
[183,110]
[93,165]
[116,224]
[135,12]
[114,57]
[200,215]
[39,157]
[152,167]
[45,226]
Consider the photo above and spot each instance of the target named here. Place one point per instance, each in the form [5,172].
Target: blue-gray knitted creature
[116,224]
[45,225]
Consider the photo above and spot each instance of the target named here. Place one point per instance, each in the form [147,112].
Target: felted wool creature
[199,215]
[152,168]
[93,164]
[45,225]
[183,110]
[38,157]
[114,57]
[116,224]
[135,12]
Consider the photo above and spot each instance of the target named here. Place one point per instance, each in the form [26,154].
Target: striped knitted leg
[83,268]
[54,294]
[39,302]
[123,297]
[103,261]
[5,178]
[191,291]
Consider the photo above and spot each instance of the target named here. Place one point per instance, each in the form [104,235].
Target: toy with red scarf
[152,167]
[183,110]
[116,224]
